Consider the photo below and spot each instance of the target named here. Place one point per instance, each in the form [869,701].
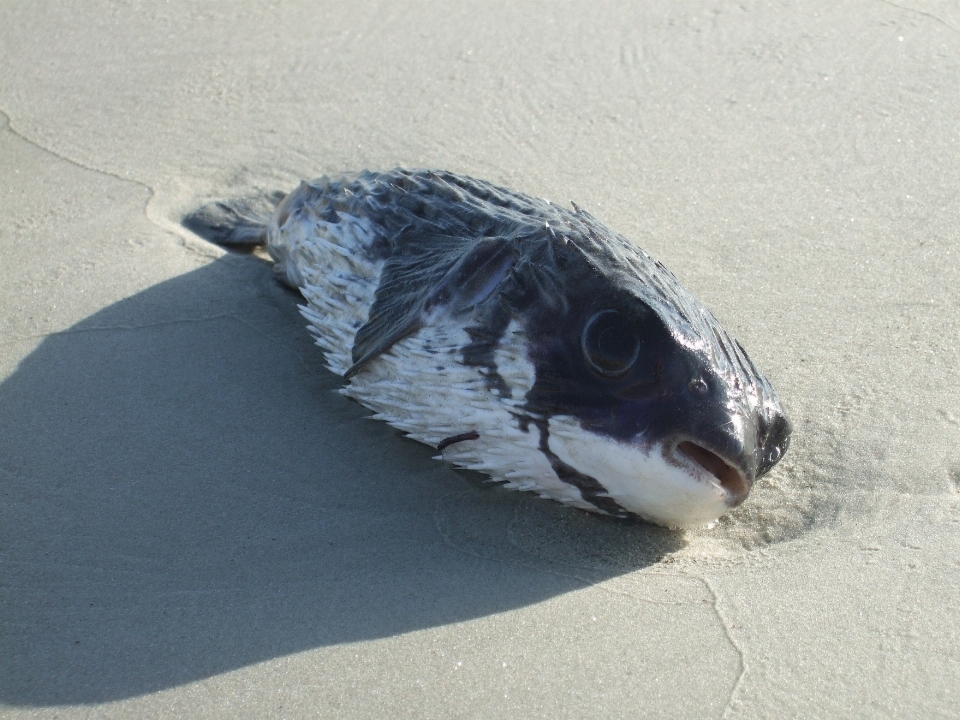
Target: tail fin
[242,221]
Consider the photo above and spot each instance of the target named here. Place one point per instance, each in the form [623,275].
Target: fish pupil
[613,344]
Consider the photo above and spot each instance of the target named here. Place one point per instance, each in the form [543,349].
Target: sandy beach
[194,523]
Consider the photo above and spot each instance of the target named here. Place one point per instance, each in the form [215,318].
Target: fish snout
[725,452]
[737,452]
[733,476]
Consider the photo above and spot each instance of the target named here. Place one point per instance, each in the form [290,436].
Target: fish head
[667,417]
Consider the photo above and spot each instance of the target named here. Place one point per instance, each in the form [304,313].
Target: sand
[195,524]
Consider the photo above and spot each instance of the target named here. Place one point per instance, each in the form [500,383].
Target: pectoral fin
[440,275]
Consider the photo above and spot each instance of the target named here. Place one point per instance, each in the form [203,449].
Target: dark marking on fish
[447,442]
[590,488]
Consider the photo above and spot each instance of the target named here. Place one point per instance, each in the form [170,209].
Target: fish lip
[723,474]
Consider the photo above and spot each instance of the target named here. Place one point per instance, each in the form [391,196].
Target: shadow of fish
[521,340]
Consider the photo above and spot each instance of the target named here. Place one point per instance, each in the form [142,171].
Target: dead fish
[523,340]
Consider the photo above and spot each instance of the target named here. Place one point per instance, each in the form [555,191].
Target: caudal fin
[241,221]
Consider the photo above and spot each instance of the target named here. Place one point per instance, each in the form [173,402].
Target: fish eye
[610,343]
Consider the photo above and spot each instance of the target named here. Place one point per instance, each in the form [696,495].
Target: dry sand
[195,524]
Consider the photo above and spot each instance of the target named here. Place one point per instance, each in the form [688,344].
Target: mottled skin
[616,341]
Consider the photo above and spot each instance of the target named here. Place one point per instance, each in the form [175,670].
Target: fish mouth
[730,479]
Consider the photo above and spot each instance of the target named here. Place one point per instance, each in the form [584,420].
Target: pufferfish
[520,339]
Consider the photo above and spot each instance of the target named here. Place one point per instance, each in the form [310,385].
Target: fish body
[521,339]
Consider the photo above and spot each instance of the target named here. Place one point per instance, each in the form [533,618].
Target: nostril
[730,479]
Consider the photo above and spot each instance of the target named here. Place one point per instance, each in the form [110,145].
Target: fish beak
[733,481]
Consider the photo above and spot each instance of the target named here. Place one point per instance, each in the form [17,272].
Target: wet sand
[195,523]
